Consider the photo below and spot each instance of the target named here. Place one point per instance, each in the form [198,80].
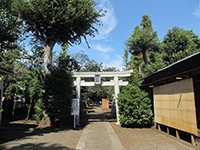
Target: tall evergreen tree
[125,60]
[142,41]
[146,22]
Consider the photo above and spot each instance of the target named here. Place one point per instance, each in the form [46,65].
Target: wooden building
[175,91]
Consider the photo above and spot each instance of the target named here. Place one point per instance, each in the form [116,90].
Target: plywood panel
[105,104]
[174,106]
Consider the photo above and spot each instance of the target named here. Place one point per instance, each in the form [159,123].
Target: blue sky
[123,16]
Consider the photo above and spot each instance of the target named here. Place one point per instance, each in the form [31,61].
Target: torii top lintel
[103,74]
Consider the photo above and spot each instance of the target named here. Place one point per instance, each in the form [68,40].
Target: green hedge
[134,107]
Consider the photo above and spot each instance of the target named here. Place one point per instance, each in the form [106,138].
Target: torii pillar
[78,95]
[116,81]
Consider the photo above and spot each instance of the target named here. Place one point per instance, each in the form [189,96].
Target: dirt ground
[23,134]
[146,138]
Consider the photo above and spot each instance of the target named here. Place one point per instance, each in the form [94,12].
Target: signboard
[97,79]
[75,106]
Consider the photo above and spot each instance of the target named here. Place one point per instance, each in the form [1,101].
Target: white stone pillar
[116,81]
[78,95]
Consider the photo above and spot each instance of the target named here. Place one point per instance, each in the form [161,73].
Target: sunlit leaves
[134,107]
[179,43]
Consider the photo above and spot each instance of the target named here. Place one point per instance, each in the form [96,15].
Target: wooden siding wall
[174,106]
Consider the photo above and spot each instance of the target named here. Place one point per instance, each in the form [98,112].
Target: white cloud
[109,20]
[105,56]
[117,62]
[102,48]
[197,12]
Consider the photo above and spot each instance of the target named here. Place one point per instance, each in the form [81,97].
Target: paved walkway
[99,134]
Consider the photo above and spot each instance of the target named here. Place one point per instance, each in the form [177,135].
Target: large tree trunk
[145,57]
[48,48]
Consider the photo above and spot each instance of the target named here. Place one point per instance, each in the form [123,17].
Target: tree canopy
[58,21]
[179,43]
[142,41]
[146,22]
[9,26]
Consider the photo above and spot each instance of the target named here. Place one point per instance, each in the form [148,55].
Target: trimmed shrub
[134,107]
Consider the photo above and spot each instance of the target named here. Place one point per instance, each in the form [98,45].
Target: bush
[58,94]
[38,111]
[134,107]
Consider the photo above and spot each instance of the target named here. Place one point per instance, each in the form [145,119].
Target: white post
[116,81]
[74,121]
[78,95]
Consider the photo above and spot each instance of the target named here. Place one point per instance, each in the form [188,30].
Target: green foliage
[93,66]
[58,21]
[58,88]
[134,107]
[12,61]
[126,63]
[134,79]
[142,41]
[62,21]
[81,58]
[27,76]
[9,26]
[58,93]
[178,44]
[38,110]
[157,62]
[146,22]
[67,62]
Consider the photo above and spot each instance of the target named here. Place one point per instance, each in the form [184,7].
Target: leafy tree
[9,27]
[126,63]
[59,88]
[33,89]
[195,38]
[12,60]
[110,69]
[58,94]
[81,58]
[142,41]
[26,79]
[66,61]
[178,44]
[146,22]
[93,66]
[157,63]
[58,21]
[33,79]
[141,44]
[134,107]
[137,64]
[38,110]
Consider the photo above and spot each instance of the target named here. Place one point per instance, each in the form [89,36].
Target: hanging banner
[75,106]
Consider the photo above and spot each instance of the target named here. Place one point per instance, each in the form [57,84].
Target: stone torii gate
[97,81]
